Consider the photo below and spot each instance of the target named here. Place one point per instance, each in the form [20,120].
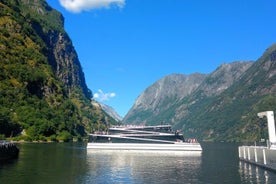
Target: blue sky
[124,46]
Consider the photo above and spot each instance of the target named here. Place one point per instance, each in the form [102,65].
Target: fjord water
[72,163]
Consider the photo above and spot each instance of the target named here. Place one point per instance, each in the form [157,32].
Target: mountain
[166,100]
[43,93]
[202,111]
[111,112]
[153,105]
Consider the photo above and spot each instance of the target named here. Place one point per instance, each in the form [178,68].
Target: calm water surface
[72,163]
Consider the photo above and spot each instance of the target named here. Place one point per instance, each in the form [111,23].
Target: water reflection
[45,163]
[142,167]
[250,173]
[71,163]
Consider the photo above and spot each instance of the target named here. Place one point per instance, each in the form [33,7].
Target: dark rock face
[59,47]
[65,62]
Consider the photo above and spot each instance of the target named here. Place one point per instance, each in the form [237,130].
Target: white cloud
[77,6]
[101,96]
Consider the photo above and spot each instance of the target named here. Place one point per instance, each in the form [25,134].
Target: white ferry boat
[143,138]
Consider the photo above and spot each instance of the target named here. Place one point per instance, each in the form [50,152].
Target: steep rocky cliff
[43,93]
[65,63]
[48,25]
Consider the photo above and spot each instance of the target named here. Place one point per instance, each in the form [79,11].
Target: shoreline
[41,141]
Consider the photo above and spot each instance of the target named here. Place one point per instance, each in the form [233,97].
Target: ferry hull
[149,147]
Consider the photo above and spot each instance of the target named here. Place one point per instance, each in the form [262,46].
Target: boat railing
[101,133]
[191,140]
[139,126]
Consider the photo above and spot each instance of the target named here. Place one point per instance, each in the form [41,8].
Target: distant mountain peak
[111,112]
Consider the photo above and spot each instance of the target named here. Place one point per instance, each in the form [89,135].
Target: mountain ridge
[162,90]
[218,110]
[187,85]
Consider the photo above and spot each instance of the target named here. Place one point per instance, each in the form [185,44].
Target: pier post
[255,154]
[264,156]
[244,154]
[248,152]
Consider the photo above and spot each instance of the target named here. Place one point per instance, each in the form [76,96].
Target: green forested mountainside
[230,115]
[40,97]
